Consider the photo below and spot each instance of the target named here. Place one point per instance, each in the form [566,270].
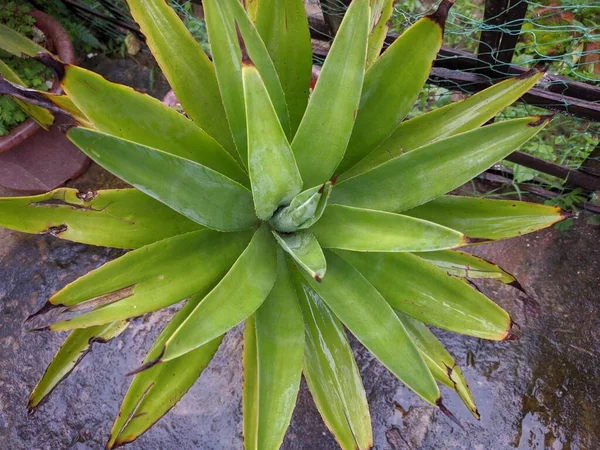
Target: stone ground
[540,392]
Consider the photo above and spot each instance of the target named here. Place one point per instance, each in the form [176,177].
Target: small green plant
[297,214]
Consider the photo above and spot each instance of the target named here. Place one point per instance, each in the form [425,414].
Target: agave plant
[300,214]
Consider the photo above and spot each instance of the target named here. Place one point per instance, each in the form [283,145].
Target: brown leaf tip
[471,240]
[441,14]
[334,180]
[54,64]
[513,333]
[44,328]
[528,74]
[317,278]
[447,412]
[148,365]
[540,120]
[568,214]
[515,283]
[43,310]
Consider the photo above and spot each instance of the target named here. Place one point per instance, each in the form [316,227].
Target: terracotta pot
[33,160]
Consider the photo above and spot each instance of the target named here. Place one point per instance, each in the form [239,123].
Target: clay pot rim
[59,38]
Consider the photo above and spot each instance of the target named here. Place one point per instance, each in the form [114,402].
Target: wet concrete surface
[541,392]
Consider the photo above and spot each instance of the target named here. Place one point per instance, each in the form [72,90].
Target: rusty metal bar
[514,19]
[489,40]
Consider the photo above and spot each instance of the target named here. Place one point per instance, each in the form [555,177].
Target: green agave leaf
[419,176]
[306,251]
[331,372]
[304,210]
[392,85]
[252,8]
[439,361]
[190,73]
[66,104]
[279,341]
[119,218]
[259,55]
[425,292]
[224,19]
[250,392]
[71,352]
[16,44]
[241,291]
[370,318]
[274,175]
[227,58]
[198,192]
[150,278]
[365,230]
[461,264]
[155,391]
[381,11]
[40,115]
[283,26]
[53,103]
[447,121]
[488,219]
[323,134]
[145,120]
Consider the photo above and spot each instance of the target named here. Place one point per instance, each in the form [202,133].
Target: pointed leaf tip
[148,365]
[514,331]
[52,63]
[472,240]
[529,73]
[540,120]
[448,413]
[441,14]
[43,310]
[568,214]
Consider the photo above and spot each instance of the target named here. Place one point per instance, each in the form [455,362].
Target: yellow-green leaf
[150,278]
[440,362]
[16,44]
[71,352]
[461,264]
[279,340]
[488,219]
[241,291]
[196,191]
[417,177]
[283,26]
[325,129]
[331,372]
[441,123]
[120,218]
[305,250]
[122,112]
[365,230]
[368,316]
[186,66]
[154,392]
[392,85]
[274,176]
[427,293]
